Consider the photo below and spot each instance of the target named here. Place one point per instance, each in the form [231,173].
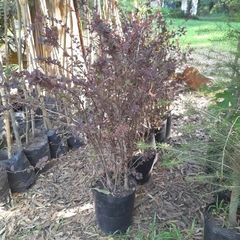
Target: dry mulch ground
[59,205]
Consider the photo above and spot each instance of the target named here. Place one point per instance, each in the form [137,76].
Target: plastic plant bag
[21,174]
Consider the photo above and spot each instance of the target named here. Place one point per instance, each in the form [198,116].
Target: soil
[60,205]
[99,184]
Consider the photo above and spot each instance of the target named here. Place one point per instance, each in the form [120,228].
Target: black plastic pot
[168,127]
[58,145]
[213,229]
[38,153]
[164,133]
[143,167]
[20,174]
[160,134]
[220,194]
[114,213]
[5,192]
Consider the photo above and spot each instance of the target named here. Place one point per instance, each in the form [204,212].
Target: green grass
[204,34]
[212,18]
[158,232]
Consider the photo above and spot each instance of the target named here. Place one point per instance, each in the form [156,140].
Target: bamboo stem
[5,94]
[19,53]
[79,27]
[32,57]
[4,100]
[7,122]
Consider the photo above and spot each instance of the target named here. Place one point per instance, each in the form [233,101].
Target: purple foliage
[126,86]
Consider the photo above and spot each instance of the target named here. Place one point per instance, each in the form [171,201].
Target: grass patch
[213,18]
[157,232]
[204,34]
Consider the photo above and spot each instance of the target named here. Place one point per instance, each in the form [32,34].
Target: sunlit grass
[201,34]
[157,231]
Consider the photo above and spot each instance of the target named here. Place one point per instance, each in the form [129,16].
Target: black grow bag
[5,193]
[21,175]
[58,145]
[114,213]
[38,153]
[213,229]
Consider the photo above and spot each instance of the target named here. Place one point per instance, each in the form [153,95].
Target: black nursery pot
[213,229]
[160,134]
[143,167]
[168,127]
[164,133]
[114,213]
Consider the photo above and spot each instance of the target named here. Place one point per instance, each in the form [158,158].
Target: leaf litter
[60,205]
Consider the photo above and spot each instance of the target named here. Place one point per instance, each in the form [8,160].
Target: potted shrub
[222,218]
[219,154]
[222,153]
[226,110]
[218,151]
[114,98]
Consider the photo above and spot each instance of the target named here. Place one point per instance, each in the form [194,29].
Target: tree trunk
[194,6]
[184,6]
[233,207]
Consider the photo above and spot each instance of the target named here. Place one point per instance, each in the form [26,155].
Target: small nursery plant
[218,208]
